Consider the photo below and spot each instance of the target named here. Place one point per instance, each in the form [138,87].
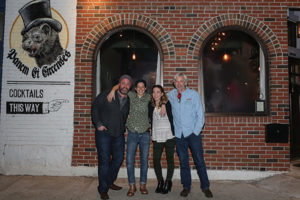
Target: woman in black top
[162,137]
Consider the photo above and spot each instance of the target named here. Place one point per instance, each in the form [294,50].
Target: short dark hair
[140,81]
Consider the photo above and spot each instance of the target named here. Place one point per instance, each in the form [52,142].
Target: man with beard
[109,119]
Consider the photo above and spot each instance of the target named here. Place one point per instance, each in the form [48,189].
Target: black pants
[158,148]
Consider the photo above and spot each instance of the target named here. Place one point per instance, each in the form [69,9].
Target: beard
[123,90]
[180,89]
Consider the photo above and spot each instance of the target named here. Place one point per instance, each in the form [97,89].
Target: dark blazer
[169,113]
[109,114]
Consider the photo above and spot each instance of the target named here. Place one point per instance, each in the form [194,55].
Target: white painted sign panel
[37,101]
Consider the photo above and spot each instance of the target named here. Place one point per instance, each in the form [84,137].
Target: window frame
[263,49]
[96,56]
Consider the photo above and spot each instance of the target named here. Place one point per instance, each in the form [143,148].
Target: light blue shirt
[188,115]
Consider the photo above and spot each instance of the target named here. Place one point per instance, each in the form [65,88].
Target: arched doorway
[127,51]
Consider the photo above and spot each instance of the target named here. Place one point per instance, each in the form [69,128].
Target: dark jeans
[158,147]
[194,142]
[110,157]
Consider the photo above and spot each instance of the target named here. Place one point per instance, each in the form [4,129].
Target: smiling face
[157,94]
[140,89]
[180,83]
[124,87]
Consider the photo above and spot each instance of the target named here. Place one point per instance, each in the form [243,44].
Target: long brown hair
[163,98]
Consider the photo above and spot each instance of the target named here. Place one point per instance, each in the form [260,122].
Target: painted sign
[37,100]
[37,49]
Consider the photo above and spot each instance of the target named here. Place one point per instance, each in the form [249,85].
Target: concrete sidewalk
[279,187]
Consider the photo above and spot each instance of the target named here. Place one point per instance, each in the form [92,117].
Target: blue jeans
[194,142]
[110,157]
[133,140]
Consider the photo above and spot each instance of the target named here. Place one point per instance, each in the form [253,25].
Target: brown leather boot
[131,191]
[143,189]
[115,187]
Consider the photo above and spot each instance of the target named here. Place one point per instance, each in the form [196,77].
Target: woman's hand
[111,96]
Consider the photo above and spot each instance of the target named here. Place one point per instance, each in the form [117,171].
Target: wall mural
[37,98]
[38,50]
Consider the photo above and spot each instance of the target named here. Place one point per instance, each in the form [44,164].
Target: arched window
[127,51]
[234,74]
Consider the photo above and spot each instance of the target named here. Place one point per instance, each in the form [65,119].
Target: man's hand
[163,110]
[102,128]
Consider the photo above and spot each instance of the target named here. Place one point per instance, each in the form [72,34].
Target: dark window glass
[292,34]
[116,58]
[294,72]
[231,73]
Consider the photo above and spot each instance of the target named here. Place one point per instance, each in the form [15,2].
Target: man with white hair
[188,119]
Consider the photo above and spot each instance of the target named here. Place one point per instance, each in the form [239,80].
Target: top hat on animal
[37,12]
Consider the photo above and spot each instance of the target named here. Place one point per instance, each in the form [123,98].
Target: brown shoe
[131,191]
[207,193]
[184,192]
[104,196]
[115,187]
[143,189]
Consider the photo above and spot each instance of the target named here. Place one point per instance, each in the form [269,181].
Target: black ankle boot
[167,187]
[160,186]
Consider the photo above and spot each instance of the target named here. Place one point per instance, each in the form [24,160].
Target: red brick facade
[180,28]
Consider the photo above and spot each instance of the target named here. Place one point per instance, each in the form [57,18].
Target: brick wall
[230,142]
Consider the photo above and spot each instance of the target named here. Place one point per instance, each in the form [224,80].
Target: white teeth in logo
[32,52]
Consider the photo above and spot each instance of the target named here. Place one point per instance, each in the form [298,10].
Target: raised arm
[111,95]
[163,110]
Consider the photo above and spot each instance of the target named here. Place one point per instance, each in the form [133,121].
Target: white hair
[181,74]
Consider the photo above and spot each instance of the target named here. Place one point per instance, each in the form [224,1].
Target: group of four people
[176,119]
